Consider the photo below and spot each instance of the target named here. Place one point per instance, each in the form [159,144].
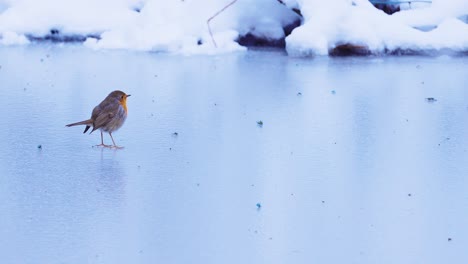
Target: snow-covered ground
[353,164]
[181,26]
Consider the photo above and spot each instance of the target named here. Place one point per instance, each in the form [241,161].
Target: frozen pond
[352,164]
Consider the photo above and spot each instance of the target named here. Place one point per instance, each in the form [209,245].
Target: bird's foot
[104,146]
[116,147]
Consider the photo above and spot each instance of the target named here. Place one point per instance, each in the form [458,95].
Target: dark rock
[55,36]
[387,8]
[250,40]
[350,50]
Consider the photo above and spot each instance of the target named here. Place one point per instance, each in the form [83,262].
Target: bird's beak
[128,95]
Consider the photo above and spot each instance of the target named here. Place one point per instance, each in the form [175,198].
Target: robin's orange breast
[123,102]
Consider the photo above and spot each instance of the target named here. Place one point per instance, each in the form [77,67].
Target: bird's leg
[102,142]
[115,146]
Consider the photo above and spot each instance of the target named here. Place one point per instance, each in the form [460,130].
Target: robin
[108,116]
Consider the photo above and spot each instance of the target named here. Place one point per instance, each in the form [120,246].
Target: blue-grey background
[352,164]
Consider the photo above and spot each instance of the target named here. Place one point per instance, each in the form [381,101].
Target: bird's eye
[122,97]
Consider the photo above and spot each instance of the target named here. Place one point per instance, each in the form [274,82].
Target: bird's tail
[88,124]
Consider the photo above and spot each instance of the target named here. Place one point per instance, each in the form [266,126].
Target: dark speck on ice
[260,123]
[259,206]
[431,99]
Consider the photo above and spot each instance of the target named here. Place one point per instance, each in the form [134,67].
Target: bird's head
[119,95]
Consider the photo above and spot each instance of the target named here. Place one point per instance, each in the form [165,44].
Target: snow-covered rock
[346,22]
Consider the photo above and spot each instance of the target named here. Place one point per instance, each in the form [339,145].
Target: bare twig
[217,13]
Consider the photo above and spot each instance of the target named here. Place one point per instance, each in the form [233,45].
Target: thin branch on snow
[217,13]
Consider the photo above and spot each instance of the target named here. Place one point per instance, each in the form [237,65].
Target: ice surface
[181,26]
[352,163]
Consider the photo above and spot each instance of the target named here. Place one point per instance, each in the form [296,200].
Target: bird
[108,116]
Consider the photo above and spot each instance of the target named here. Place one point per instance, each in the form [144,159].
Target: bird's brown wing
[96,111]
[102,120]
[103,114]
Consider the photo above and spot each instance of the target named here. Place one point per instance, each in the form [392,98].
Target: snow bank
[12,38]
[344,22]
[78,17]
[181,26]
[174,27]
